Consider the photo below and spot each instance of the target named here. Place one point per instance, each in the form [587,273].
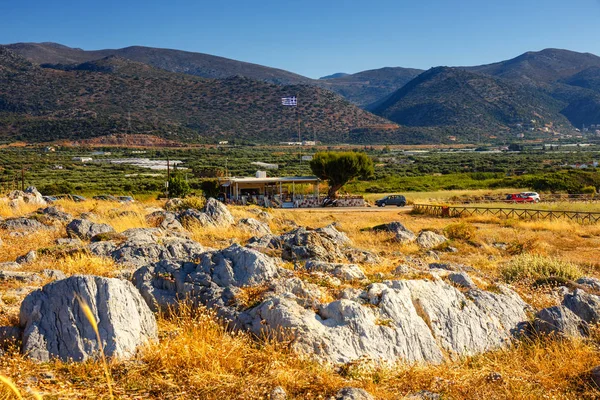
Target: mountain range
[51,91]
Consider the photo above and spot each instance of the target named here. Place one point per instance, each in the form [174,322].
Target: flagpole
[299,137]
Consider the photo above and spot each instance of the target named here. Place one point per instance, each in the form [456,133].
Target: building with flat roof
[288,191]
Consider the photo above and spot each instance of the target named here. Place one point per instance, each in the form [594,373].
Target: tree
[210,188]
[178,186]
[339,168]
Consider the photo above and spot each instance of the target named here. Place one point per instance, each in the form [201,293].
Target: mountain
[467,102]
[549,65]
[364,88]
[199,64]
[334,76]
[116,95]
[588,78]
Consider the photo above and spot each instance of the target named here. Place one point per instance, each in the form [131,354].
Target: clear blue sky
[314,38]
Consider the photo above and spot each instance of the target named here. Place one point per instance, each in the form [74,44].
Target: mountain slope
[452,97]
[364,88]
[116,95]
[199,64]
[548,65]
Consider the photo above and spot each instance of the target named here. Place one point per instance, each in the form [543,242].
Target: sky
[314,38]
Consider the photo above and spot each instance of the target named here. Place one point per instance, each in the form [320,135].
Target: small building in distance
[264,165]
[82,159]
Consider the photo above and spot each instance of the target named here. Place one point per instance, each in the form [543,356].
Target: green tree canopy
[338,168]
[178,186]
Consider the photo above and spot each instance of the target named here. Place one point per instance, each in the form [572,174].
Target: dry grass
[198,358]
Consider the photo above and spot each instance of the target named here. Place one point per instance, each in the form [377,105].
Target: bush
[588,190]
[461,231]
[196,202]
[178,186]
[528,267]
[210,188]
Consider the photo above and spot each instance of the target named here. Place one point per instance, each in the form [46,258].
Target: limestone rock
[559,321]
[53,213]
[22,225]
[30,257]
[590,282]
[85,229]
[428,240]
[413,321]
[462,279]
[210,281]
[218,213]
[19,276]
[403,234]
[585,306]
[350,393]
[54,325]
[143,246]
[254,226]
[346,272]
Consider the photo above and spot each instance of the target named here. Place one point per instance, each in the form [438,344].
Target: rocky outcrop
[54,214]
[22,225]
[29,196]
[429,240]
[214,213]
[322,244]
[86,229]
[143,246]
[165,220]
[254,226]
[559,321]
[586,306]
[350,393]
[402,234]
[345,272]
[590,282]
[413,321]
[55,326]
[214,280]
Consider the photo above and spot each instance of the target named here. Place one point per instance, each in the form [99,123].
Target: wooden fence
[506,212]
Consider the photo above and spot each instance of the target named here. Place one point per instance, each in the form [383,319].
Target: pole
[299,137]
[168,176]
[22,178]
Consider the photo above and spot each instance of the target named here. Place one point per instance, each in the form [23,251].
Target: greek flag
[289,101]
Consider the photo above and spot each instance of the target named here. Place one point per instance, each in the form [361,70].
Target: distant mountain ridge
[115,95]
[546,91]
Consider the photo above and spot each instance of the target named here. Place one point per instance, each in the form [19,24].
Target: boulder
[9,265]
[590,282]
[585,306]
[22,225]
[19,276]
[218,213]
[86,229]
[346,272]
[211,281]
[29,196]
[30,257]
[54,214]
[462,279]
[164,220]
[559,321]
[350,393]
[143,246]
[278,393]
[403,234]
[413,321]
[55,326]
[254,226]
[428,240]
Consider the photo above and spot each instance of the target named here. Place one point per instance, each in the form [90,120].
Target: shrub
[588,190]
[460,230]
[528,267]
[196,202]
[178,186]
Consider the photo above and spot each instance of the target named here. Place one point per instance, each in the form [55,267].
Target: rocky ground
[203,301]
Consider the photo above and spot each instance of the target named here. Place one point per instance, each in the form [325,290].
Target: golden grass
[533,267]
[197,357]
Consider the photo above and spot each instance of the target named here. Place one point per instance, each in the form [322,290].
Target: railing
[506,212]
[544,198]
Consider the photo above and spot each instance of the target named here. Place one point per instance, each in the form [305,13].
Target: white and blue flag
[289,101]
